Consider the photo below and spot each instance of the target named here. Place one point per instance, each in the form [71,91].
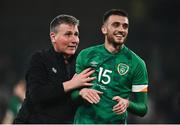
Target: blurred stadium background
[153,34]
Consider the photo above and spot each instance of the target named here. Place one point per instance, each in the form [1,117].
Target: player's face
[66,39]
[115,29]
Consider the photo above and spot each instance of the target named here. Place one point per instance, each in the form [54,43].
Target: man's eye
[115,24]
[76,34]
[68,34]
[125,26]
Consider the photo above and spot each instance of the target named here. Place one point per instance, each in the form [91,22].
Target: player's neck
[113,48]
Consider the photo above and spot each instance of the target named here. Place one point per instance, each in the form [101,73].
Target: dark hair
[114,12]
[63,19]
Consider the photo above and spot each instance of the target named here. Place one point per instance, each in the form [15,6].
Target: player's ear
[103,29]
[52,37]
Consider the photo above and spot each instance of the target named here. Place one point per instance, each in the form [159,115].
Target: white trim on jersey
[139,88]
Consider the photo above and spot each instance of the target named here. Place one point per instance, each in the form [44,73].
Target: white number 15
[104,73]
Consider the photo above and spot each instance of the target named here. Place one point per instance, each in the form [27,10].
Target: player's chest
[111,70]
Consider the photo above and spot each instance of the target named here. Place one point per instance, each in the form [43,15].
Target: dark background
[153,34]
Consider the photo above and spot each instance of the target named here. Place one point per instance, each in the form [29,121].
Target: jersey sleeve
[140,78]
[138,105]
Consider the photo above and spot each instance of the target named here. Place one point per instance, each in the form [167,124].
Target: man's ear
[103,29]
[53,37]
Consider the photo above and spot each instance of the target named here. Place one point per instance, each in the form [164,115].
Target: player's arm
[136,106]
[139,105]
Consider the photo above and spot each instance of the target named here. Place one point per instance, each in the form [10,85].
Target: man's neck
[113,48]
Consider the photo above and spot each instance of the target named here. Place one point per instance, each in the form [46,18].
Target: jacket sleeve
[38,88]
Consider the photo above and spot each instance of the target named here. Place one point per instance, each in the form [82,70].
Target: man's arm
[137,106]
[40,91]
[79,80]
[86,94]
[38,88]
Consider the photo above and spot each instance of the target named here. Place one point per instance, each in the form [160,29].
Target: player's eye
[115,24]
[125,25]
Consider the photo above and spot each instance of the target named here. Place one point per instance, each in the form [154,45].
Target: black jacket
[46,101]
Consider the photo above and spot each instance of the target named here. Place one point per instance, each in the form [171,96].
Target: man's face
[66,39]
[115,29]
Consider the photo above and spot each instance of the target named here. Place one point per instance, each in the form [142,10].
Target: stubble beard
[115,43]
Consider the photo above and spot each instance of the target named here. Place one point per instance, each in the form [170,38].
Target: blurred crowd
[12,104]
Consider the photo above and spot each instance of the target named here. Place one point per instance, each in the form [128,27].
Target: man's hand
[80,80]
[121,106]
[90,95]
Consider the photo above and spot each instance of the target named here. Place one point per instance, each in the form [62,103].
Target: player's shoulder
[135,57]
[91,49]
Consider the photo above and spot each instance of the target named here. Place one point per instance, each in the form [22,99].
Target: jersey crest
[122,69]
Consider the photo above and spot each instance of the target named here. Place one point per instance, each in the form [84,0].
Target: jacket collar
[60,56]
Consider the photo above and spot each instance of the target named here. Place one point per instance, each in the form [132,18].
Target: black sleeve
[38,88]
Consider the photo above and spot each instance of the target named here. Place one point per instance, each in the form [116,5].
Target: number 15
[104,73]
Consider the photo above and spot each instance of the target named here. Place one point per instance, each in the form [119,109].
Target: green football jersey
[116,74]
[14,105]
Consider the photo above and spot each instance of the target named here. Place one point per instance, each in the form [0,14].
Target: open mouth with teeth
[119,35]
